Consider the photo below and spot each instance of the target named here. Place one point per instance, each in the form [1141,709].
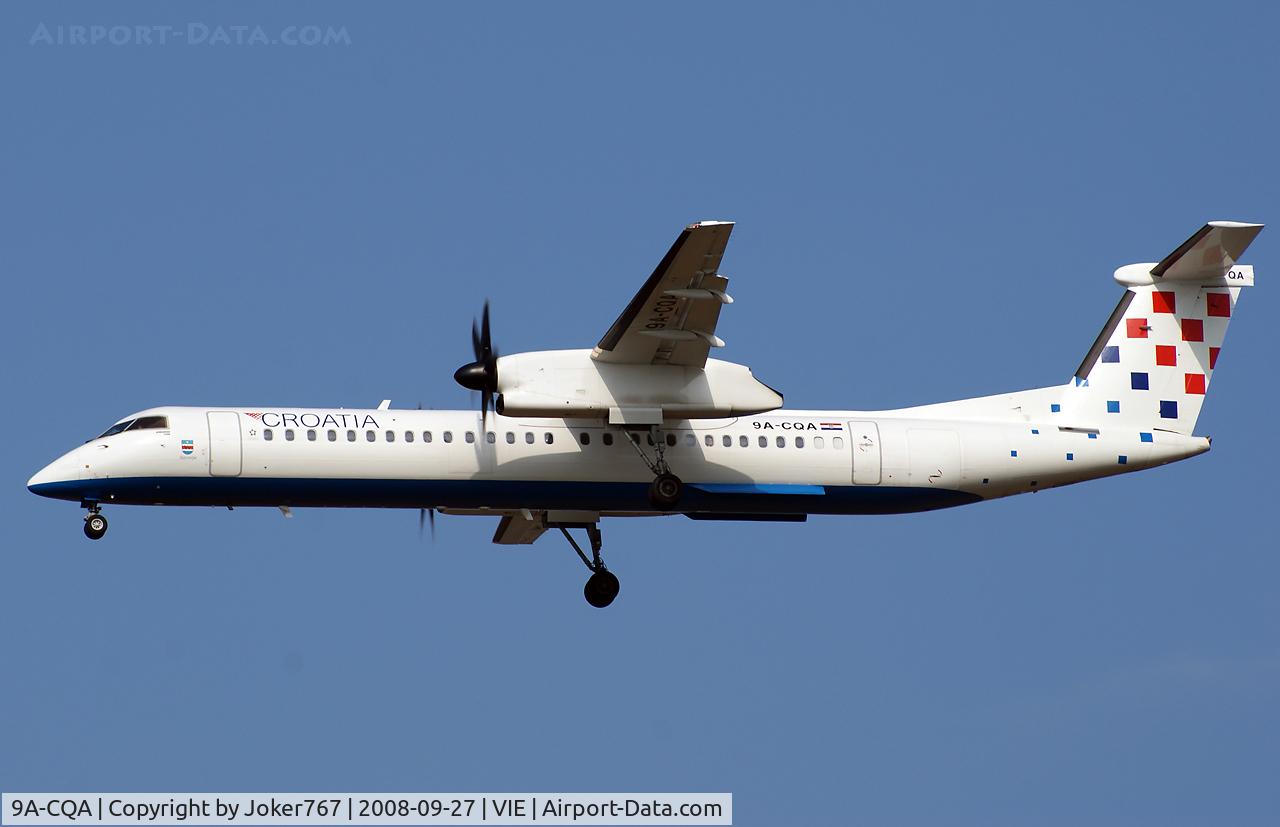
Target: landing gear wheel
[665,490]
[95,525]
[602,587]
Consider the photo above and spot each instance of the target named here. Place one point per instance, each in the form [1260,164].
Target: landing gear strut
[95,525]
[664,491]
[602,586]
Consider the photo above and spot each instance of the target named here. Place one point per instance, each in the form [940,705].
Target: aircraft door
[866,452]
[224,444]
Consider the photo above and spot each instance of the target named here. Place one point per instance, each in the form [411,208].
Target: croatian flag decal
[188,447]
[831,426]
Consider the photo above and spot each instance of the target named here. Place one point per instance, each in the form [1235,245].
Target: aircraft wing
[672,320]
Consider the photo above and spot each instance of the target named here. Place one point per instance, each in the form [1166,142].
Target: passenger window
[548,438]
[511,438]
[333,436]
[726,441]
[799,442]
[690,440]
[288,434]
[671,440]
[743,442]
[764,441]
[448,436]
[585,438]
[311,435]
[490,437]
[837,442]
[817,442]
[391,436]
[470,437]
[351,436]
[782,442]
[607,439]
[528,437]
[426,436]
[408,436]
[370,436]
[267,435]
[143,423]
[709,440]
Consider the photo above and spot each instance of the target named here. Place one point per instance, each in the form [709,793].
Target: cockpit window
[142,423]
[117,428]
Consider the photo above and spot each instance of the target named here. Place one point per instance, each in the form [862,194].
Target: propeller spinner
[482,374]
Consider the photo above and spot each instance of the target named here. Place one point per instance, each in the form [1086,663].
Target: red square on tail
[1136,328]
[1164,302]
[1195,383]
[1219,304]
[1192,330]
[1166,355]
[1213,357]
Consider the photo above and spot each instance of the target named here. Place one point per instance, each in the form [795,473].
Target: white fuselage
[777,463]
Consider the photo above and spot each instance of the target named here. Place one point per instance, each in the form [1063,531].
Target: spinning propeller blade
[482,374]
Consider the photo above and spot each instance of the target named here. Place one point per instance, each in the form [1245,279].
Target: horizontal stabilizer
[1209,254]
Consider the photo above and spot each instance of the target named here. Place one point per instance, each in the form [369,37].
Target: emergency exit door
[224,443]
[866,452]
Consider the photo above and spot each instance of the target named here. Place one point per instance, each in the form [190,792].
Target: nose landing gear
[602,586]
[95,525]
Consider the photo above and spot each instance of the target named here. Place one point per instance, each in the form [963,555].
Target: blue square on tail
[1055,408]
[1168,409]
[1122,460]
[1111,353]
[1145,437]
[1139,382]
[1113,406]
[1070,457]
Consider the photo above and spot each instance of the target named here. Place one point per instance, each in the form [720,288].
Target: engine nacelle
[569,383]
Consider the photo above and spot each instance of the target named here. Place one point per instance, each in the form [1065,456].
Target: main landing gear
[95,525]
[602,586]
[665,490]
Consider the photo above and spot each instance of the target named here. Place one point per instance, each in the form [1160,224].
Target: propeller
[424,515]
[482,374]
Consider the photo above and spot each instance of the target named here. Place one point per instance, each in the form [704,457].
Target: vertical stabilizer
[1153,361]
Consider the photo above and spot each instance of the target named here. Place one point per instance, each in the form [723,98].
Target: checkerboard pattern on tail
[1152,364]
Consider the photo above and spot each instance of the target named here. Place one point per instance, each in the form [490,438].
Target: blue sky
[930,202]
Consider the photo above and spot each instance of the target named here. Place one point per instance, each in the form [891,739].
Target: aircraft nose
[42,477]
[44,481]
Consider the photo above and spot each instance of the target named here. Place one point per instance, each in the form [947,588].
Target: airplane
[647,424]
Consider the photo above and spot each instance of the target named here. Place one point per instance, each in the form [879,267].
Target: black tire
[664,491]
[95,525]
[602,587]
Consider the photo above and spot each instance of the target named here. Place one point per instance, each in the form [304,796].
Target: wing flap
[517,529]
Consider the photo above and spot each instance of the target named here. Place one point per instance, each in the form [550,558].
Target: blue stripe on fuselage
[501,494]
